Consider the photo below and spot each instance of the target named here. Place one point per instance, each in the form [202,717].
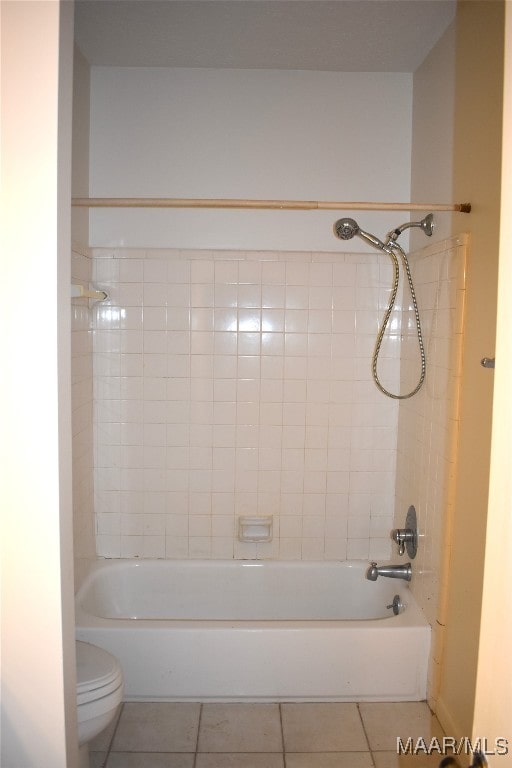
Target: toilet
[99,691]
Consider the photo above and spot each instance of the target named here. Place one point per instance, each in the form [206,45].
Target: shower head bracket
[426,224]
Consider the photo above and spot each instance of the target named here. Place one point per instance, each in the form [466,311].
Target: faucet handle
[397,535]
[405,537]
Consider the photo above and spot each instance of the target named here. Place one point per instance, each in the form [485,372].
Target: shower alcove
[228,372]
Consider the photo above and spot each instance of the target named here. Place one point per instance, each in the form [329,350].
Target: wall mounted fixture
[255,529]
[391,571]
[81,292]
[289,205]
[397,605]
[407,538]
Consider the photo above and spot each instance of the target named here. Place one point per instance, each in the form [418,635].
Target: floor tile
[157,727]
[322,728]
[386,721]
[149,760]
[97,759]
[329,760]
[393,760]
[238,760]
[240,728]
[102,741]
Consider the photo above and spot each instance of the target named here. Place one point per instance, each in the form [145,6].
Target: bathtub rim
[412,616]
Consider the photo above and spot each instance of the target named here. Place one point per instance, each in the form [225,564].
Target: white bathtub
[252,630]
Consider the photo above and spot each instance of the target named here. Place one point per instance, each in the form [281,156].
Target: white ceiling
[331,35]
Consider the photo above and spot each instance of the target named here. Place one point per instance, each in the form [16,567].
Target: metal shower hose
[396,277]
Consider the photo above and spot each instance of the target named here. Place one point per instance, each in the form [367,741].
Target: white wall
[433,136]
[38,669]
[246,134]
[243,134]
[428,428]
[81,324]
[428,424]
[80,159]
[239,383]
[82,417]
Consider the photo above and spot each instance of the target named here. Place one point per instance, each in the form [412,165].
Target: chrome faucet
[404,537]
[391,571]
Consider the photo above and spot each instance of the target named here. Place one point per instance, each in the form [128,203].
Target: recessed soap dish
[255,529]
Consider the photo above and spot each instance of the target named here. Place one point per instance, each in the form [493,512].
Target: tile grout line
[283,753]
[109,748]
[365,733]
[198,731]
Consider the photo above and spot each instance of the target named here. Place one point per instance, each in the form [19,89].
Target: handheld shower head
[346,229]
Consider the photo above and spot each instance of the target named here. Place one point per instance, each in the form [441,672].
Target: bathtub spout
[391,571]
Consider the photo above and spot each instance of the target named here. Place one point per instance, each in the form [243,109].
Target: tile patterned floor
[286,735]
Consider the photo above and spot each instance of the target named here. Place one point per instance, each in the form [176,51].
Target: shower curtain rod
[289,205]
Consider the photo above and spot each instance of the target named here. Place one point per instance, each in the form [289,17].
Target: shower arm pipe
[289,205]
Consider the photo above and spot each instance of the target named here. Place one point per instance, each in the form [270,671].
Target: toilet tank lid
[95,667]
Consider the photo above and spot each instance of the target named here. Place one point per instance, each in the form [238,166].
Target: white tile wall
[429,422]
[233,383]
[82,417]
